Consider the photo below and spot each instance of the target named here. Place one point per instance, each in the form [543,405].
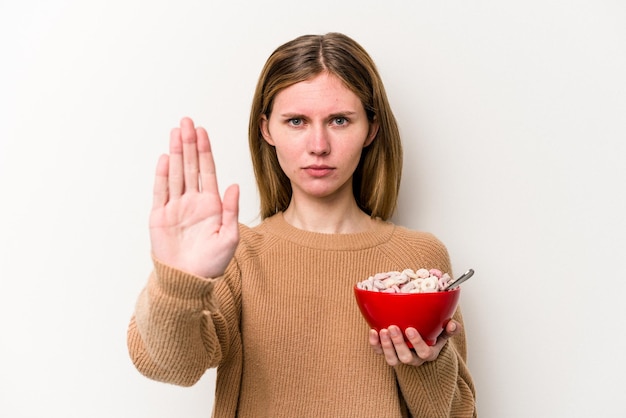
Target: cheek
[285,159]
[353,155]
[289,150]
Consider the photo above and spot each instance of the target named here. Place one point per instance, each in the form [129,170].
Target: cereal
[406,281]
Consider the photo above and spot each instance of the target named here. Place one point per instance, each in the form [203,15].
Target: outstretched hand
[390,343]
[191,228]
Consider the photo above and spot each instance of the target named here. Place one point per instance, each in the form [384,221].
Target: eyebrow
[291,115]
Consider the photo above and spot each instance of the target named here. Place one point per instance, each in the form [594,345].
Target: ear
[373,131]
[265,131]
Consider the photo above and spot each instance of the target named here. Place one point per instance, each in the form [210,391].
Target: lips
[318,170]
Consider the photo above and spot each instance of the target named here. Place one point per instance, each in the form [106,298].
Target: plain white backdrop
[513,118]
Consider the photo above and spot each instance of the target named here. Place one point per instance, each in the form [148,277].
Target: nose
[318,142]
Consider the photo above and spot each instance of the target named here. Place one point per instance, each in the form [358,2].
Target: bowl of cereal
[422,299]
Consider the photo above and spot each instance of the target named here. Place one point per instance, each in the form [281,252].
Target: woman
[272,306]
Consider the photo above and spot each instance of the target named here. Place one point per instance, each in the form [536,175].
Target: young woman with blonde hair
[271,306]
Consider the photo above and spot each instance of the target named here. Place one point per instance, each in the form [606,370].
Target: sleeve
[444,387]
[441,388]
[183,324]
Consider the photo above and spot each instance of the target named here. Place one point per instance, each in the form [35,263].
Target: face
[319,129]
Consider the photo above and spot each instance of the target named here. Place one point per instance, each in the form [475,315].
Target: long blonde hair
[376,180]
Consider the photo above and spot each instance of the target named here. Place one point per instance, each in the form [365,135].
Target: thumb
[230,207]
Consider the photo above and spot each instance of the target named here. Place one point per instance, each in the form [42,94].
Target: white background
[513,118]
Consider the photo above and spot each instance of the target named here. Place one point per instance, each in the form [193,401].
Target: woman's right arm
[194,234]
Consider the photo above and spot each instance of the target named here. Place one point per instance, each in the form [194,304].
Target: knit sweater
[284,331]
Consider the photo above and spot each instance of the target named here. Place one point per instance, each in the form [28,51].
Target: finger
[160,192]
[375,342]
[208,177]
[388,349]
[403,352]
[422,350]
[452,328]
[175,172]
[190,154]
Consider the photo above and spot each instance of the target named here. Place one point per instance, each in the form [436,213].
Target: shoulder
[402,233]
[254,240]
[421,247]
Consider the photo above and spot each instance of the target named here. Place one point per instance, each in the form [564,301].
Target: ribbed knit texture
[284,330]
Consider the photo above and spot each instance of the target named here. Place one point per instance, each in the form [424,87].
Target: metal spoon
[455,283]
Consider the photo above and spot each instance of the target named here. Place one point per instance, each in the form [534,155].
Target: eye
[295,121]
[340,120]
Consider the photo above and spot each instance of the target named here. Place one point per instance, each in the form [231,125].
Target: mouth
[318,170]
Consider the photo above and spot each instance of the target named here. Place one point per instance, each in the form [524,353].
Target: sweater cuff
[444,367]
[431,386]
[179,284]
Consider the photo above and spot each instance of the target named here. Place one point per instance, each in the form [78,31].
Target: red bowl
[428,313]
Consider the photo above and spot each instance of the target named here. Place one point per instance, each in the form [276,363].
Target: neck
[316,217]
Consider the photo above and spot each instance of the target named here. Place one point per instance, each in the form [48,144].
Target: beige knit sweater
[283,328]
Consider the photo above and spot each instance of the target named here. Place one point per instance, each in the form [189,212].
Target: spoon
[455,283]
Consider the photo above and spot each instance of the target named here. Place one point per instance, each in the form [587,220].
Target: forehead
[324,92]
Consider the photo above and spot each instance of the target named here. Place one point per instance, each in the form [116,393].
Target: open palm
[191,228]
